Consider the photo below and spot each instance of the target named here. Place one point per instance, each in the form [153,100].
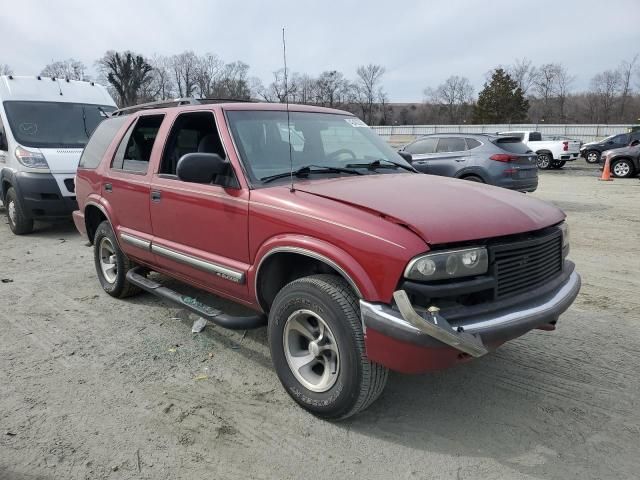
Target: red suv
[355,262]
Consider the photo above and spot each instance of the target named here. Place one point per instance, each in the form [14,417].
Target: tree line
[514,93]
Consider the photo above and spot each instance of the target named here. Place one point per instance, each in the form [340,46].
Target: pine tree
[500,101]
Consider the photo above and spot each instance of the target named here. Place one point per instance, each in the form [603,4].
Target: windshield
[54,124]
[317,139]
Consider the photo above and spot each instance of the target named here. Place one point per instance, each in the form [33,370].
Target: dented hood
[440,210]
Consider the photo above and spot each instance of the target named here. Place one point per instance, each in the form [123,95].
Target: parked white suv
[551,153]
[44,125]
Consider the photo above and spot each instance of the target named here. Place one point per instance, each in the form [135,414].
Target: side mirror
[200,167]
[406,155]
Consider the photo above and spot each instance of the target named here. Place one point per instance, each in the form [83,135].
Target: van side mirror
[406,155]
[200,167]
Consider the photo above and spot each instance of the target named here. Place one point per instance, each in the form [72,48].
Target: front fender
[339,259]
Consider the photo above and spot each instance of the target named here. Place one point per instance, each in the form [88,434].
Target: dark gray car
[503,161]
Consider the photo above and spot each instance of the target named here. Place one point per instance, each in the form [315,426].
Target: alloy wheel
[621,169]
[311,350]
[108,263]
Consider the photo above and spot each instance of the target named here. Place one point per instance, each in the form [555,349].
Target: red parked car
[356,263]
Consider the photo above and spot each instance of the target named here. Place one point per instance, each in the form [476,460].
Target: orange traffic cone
[606,172]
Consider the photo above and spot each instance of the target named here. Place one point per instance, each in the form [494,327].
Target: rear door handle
[108,187]
[155,195]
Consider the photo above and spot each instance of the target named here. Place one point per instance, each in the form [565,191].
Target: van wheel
[18,222]
[544,161]
[112,264]
[317,348]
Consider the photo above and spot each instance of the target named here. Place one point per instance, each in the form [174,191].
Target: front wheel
[592,156]
[111,263]
[622,168]
[544,161]
[558,164]
[317,348]
[18,221]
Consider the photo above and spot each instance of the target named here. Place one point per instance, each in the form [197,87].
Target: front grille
[526,264]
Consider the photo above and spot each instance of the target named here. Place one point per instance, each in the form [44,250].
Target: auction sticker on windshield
[355,122]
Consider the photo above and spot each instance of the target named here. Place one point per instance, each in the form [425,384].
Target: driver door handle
[156,195]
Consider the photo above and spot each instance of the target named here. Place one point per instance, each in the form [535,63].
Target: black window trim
[127,135]
[169,176]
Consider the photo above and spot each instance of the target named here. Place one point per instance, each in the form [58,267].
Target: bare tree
[5,69]
[159,85]
[233,82]
[604,90]
[367,86]
[561,88]
[524,73]
[332,88]
[127,73]
[208,70]
[454,95]
[544,86]
[184,66]
[71,69]
[626,70]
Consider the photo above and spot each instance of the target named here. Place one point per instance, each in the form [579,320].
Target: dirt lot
[96,388]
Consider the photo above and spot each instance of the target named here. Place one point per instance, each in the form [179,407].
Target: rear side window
[99,142]
[451,144]
[535,137]
[511,145]
[472,143]
[134,151]
[427,145]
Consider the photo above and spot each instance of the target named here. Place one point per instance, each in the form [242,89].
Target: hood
[622,151]
[439,210]
[61,160]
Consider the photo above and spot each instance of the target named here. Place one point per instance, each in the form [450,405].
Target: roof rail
[176,102]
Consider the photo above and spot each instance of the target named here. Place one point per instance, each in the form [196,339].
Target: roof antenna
[286,97]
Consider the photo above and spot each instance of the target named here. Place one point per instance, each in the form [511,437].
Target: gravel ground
[93,387]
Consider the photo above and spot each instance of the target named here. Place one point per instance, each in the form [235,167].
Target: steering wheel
[337,153]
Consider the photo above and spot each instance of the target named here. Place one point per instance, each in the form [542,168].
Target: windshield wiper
[84,122]
[378,164]
[309,169]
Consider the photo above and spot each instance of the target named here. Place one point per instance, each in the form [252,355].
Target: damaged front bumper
[473,336]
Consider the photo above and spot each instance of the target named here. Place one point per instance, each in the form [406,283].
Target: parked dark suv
[503,161]
[592,151]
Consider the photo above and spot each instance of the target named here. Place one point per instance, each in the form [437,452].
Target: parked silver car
[503,161]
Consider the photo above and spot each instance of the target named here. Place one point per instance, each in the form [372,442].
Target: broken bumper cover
[473,336]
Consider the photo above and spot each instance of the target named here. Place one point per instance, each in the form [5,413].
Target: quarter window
[472,143]
[134,151]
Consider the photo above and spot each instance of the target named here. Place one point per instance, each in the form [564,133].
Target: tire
[473,178]
[622,168]
[107,252]
[544,161]
[592,156]
[558,164]
[323,303]
[19,223]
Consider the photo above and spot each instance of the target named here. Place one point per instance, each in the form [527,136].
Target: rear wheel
[622,168]
[317,348]
[111,263]
[473,178]
[558,164]
[544,161]
[592,156]
[18,222]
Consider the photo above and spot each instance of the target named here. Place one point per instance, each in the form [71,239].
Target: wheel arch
[472,172]
[94,215]
[281,262]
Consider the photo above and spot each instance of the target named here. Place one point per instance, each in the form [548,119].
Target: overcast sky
[420,43]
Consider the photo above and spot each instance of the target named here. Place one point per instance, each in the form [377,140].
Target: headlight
[31,159]
[449,264]
[564,228]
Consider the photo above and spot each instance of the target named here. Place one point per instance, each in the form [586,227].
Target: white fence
[586,133]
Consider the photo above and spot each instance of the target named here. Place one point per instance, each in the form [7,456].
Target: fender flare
[8,176]
[321,250]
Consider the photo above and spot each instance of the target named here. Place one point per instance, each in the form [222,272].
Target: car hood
[439,210]
[622,151]
[592,144]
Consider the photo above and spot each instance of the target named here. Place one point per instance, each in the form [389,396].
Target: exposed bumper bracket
[439,328]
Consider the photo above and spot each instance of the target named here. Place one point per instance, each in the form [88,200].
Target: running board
[214,315]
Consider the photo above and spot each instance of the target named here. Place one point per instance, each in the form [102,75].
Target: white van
[44,125]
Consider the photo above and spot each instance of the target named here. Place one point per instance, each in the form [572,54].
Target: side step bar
[205,311]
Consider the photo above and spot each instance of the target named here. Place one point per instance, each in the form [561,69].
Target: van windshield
[318,140]
[54,124]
